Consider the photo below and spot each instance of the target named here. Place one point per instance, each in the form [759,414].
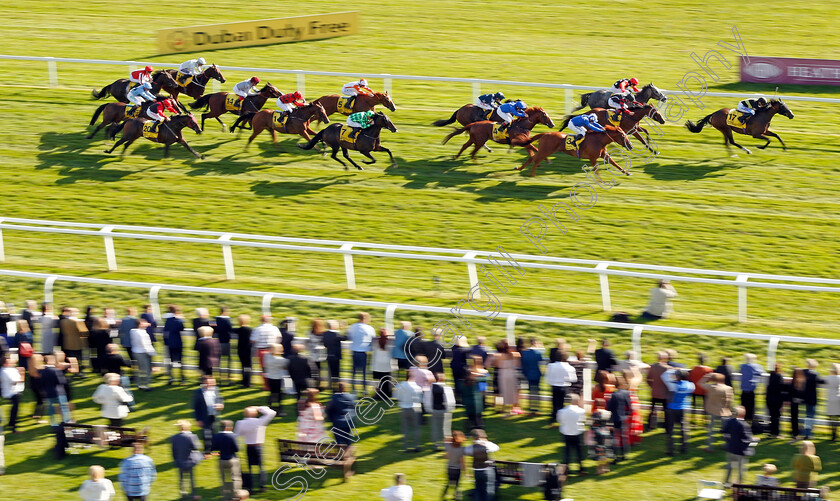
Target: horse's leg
[487,148]
[612,162]
[90,136]
[386,150]
[127,144]
[203,118]
[466,145]
[166,150]
[121,141]
[478,146]
[767,143]
[732,140]
[347,156]
[274,136]
[223,124]
[334,157]
[367,154]
[773,134]
[189,148]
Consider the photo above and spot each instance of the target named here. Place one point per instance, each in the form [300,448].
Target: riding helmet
[519,105]
[255,80]
[634,81]
[363,82]
[498,96]
[148,69]
[201,61]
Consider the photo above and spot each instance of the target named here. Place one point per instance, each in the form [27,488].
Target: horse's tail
[97,112]
[697,127]
[534,138]
[441,123]
[312,142]
[455,133]
[116,130]
[584,100]
[102,93]
[566,120]
[201,102]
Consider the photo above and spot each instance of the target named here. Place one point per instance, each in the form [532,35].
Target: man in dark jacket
[300,370]
[229,467]
[739,444]
[207,404]
[222,331]
[186,454]
[149,316]
[332,342]
[287,327]
[341,411]
[812,381]
[208,350]
[52,383]
[172,329]
[433,349]
[604,356]
[620,412]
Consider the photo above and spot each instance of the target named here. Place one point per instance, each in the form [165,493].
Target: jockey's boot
[351,102]
[743,118]
[353,133]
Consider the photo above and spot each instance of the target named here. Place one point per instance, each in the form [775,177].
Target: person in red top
[696,374]
[156,111]
[288,102]
[620,87]
[141,76]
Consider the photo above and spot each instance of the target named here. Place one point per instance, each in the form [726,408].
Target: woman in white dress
[832,385]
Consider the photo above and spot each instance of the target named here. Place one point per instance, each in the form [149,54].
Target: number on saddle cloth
[150,129]
[732,119]
[344,134]
[571,143]
[233,102]
[344,106]
[500,135]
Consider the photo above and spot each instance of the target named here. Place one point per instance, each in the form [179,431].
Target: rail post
[636,340]
[606,303]
[389,317]
[473,274]
[110,253]
[48,289]
[301,83]
[476,89]
[266,304]
[772,345]
[227,254]
[387,84]
[510,327]
[216,86]
[154,301]
[349,270]
[568,100]
[52,70]
[742,297]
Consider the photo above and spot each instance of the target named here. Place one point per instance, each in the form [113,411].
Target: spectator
[310,422]
[725,369]
[658,390]
[137,472]
[276,371]
[560,376]
[409,396]
[287,328]
[332,343]
[672,359]
[483,471]
[262,338]
[141,347]
[454,462]
[796,394]
[479,349]
[660,305]
[434,351]
[620,411]
[53,383]
[208,350]
[31,315]
[221,331]
[812,381]
[202,319]
[717,404]
[243,348]
[173,328]
[767,479]
[604,387]
[472,396]
[300,370]
[341,411]
[315,347]
[99,337]
[401,337]
[572,419]
[739,444]
[507,362]
[75,336]
[127,324]
[66,366]
[114,362]
[441,401]
[381,364]
[48,325]
[113,399]
[750,377]
[149,316]
[11,386]
[806,466]
[207,404]
[458,363]
[832,405]
[633,378]
[97,488]
[360,335]
[776,395]
[680,387]
[186,454]
[604,357]
[36,365]
[24,341]
[631,360]
[229,467]
[531,360]
[252,431]
[398,492]
[602,436]
[424,378]
[696,374]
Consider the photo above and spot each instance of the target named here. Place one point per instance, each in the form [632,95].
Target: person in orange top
[355,88]
[696,374]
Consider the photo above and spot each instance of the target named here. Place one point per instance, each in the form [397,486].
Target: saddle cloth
[278,119]
[150,129]
[488,114]
[344,106]
[184,80]
[344,134]
[570,143]
[614,118]
[232,102]
[500,135]
[132,111]
[732,119]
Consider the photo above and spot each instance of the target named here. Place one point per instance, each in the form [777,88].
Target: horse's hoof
[489,150]
[627,173]
[748,151]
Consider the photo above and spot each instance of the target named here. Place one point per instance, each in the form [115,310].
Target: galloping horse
[116,112]
[216,103]
[593,147]
[518,132]
[363,102]
[366,141]
[195,89]
[119,89]
[599,98]
[758,126]
[629,122]
[168,133]
[296,123]
[468,114]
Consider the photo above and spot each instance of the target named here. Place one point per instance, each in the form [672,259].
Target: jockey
[489,101]
[190,68]
[507,111]
[620,101]
[620,87]
[155,111]
[748,107]
[355,88]
[141,76]
[288,102]
[246,88]
[360,120]
[140,94]
[583,123]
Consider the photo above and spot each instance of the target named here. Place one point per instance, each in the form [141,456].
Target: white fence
[470,258]
[387,79]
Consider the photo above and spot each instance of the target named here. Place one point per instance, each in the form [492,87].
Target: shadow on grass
[281,189]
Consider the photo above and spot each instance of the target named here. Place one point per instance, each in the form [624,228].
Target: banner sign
[260,32]
[788,70]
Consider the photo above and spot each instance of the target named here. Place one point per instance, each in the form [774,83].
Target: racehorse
[168,133]
[115,112]
[599,98]
[119,89]
[363,102]
[629,122]
[758,126]
[593,147]
[467,114]
[518,132]
[296,123]
[195,89]
[216,103]
[367,140]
